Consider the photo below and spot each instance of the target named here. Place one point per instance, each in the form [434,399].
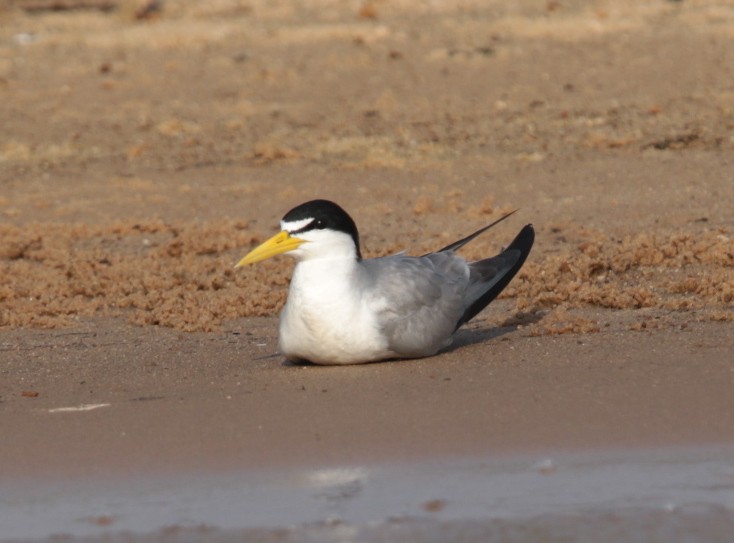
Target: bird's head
[316,229]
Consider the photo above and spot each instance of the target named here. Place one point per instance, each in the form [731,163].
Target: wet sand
[142,155]
[152,434]
[672,494]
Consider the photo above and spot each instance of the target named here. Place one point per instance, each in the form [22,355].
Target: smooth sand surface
[208,401]
[142,153]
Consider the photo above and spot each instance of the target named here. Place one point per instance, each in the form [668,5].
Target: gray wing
[418,300]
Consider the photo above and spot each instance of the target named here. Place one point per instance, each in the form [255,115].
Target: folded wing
[490,276]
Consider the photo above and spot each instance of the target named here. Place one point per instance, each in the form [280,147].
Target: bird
[342,308]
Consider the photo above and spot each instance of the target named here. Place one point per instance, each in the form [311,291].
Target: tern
[345,309]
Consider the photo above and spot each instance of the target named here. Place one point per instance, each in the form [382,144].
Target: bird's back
[422,301]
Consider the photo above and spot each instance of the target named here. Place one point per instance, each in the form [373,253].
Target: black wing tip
[525,239]
[522,243]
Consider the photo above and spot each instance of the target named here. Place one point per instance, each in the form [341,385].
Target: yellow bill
[279,243]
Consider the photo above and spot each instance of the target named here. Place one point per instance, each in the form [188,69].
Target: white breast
[326,319]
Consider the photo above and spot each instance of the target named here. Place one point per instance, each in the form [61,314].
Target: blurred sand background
[144,151]
[141,156]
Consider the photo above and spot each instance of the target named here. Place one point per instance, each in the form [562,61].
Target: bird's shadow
[479,333]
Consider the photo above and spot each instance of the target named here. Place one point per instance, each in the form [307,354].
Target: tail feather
[490,276]
[455,246]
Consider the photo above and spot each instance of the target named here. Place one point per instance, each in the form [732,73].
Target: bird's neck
[324,278]
[315,268]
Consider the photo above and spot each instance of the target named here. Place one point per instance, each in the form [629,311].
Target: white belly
[324,337]
[326,322]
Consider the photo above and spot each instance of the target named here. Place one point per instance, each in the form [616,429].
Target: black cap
[325,215]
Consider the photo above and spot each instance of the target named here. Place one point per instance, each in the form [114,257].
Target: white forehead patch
[292,226]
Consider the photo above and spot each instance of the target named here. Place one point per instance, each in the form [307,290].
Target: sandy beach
[146,148]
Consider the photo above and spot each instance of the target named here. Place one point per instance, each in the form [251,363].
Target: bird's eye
[319,224]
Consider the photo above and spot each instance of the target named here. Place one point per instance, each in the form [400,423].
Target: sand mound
[182,276]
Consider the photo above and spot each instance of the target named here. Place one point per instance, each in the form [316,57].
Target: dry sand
[142,155]
[216,401]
